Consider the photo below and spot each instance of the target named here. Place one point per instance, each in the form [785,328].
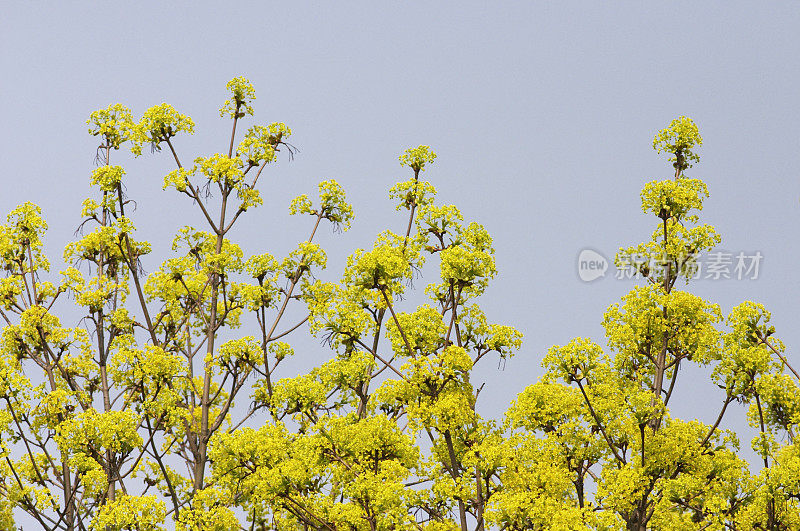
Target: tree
[139,417]
[604,420]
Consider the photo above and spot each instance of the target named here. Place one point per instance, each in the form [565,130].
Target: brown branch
[396,322]
[728,400]
[292,329]
[194,195]
[455,472]
[783,359]
[163,469]
[233,132]
[413,209]
[599,424]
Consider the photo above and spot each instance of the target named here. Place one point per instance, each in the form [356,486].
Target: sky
[542,116]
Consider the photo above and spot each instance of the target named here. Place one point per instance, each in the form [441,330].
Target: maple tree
[140,417]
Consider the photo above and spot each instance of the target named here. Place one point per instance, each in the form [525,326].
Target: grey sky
[542,115]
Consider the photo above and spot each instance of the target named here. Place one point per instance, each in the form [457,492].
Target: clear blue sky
[542,115]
